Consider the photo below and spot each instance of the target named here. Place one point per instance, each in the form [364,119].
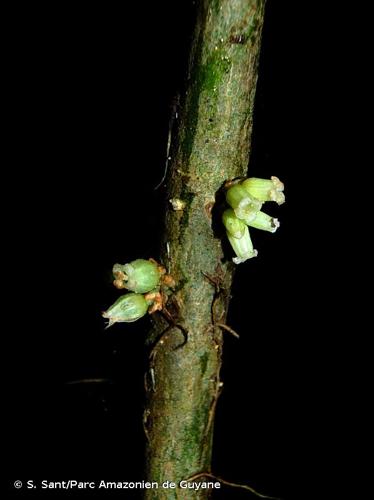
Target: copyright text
[73,484]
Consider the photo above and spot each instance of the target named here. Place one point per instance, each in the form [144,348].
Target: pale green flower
[265,189]
[126,309]
[138,276]
[242,247]
[243,204]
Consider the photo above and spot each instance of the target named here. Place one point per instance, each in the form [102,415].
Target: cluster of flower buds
[246,199]
[146,280]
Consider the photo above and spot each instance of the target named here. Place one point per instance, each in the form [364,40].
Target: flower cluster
[147,282]
[246,199]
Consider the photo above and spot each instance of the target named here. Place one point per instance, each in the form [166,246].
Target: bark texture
[212,145]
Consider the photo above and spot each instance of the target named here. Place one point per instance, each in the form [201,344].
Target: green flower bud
[265,189]
[244,205]
[128,308]
[263,221]
[139,276]
[243,247]
[233,225]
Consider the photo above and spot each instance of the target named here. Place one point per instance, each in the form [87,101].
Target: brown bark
[212,146]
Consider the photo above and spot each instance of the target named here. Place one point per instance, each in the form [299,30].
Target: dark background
[89,98]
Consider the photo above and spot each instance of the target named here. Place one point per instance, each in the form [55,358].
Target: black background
[89,98]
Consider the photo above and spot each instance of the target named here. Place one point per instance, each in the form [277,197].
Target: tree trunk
[212,145]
